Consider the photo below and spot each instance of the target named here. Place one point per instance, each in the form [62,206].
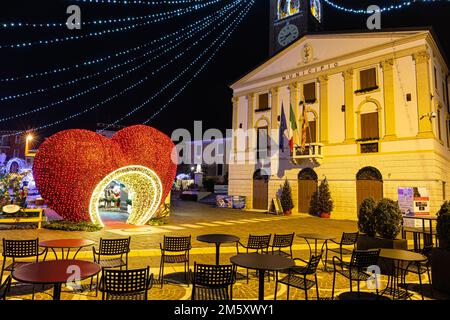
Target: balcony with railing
[312,151]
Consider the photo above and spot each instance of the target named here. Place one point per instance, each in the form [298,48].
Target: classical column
[323,114]
[389,98]
[293,93]
[422,59]
[275,108]
[250,112]
[349,108]
[235,125]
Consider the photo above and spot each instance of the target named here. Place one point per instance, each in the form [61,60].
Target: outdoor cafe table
[218,239]
[399,256]
[65,244]
[262,263]
[55,272]
[316,237]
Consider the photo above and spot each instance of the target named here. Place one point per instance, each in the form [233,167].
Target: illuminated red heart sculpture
[70,165]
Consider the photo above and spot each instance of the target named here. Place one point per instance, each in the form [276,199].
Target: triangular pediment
[315,48]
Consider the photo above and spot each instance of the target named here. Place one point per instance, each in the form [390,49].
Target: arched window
[288,8]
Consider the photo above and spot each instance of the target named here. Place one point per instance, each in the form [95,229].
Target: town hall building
[377,112]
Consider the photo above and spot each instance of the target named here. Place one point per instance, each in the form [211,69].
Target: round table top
[217,238]
[317,236]
[54,271]
[402,255]
[259,261]
[66,243]
[421,217]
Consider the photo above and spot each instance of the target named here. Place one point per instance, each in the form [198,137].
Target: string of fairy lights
[208,21]
[404,4]
[92,62]
[107,82]
[95,34]
[236,5]
[160,16]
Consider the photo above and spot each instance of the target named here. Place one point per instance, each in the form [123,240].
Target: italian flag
[293,131]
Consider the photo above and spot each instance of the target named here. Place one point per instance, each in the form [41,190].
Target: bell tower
[291,19]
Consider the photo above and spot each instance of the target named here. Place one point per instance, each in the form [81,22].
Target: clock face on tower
[288,34]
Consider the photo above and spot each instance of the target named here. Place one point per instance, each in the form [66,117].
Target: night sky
[207,98]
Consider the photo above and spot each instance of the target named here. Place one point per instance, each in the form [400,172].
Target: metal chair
[356,269]
[297,276]
[213,282]
[258,244]
[19,249]
[4,288]
[175,250]
[130,284]
[420,268]
[114,250]
[347,239]
[281,241]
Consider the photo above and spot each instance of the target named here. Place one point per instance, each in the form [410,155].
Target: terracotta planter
[288,212]
[325,215]
[366,242]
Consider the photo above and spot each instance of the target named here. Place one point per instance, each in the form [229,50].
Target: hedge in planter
[384,218]
[440,257]
[388,218]
[366,217]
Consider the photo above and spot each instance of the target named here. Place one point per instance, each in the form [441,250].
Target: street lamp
[27,146]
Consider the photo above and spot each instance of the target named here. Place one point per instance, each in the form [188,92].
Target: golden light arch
[143,182]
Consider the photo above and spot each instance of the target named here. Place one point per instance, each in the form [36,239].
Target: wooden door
[368,188]
[260,194]
[305,190]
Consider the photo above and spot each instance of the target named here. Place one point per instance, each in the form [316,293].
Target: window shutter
[263,101]
[368,78]
[369,125]
[309,91]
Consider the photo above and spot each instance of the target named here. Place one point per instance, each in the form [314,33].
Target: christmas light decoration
[225,32]
[392,7]
[165,87]
[121,75]
[165,16]
[141,2]
[102,59]
[72,166]
[178,41]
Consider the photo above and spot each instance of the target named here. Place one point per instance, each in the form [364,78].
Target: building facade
[376,105]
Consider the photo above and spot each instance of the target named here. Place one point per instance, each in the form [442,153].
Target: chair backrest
[283,240]
[361,259]
[20,248]
[258,242]
[213,276]
[349,238]
[313,263]
[125,281]
[111,247]
[177,243]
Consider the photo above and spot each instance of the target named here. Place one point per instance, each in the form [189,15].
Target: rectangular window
[368,79]
[311,132]
[16,153]
[369,126]
[309,92]
[263,101]
[435,78]
[447,128]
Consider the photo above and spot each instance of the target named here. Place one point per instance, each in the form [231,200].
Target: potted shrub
[324,199]
[286,198]
[440,257]
[314,204]
[380,224]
